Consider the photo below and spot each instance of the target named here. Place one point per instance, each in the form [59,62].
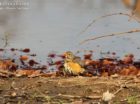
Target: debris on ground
[71,79]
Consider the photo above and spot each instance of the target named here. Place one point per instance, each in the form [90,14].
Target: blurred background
[54,25]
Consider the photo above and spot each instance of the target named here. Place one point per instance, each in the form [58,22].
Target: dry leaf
[24,58]
[27,72]
[26,50]
[13,94]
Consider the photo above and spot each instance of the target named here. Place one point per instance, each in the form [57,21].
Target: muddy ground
[70,90]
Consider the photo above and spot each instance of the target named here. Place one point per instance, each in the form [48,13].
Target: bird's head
[69,55]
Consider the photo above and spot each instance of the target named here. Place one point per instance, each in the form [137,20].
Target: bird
[71,64]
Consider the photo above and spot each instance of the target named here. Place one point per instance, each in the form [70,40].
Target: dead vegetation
[62,90]
[108,80]
[133,5]
[106,66]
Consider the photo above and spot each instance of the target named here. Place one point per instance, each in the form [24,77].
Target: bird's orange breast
[75,68]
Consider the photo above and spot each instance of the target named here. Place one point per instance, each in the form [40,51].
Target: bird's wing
[79,61]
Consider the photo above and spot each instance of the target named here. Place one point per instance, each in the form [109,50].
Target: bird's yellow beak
[64,54]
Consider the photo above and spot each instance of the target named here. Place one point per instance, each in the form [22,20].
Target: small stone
[107,96]
[115,76]
[13,94]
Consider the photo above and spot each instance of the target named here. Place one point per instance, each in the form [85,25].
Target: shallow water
[54,25]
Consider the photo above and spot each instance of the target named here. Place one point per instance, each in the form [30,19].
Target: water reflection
[54,25]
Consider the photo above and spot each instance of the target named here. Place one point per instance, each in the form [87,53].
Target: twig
[83,84]
[6,41]
[122,86]
[118,90]
[108,15]
[71,96]
[110,35]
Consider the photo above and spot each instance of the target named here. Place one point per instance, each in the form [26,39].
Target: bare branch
[110,35]
[6,41]
[6,36]
[108,15]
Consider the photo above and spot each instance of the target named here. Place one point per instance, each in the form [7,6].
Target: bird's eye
[69,54]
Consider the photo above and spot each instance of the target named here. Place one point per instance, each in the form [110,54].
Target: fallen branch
[108,15]
[69,86]
[73,96]
[122,87]
[110,35]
